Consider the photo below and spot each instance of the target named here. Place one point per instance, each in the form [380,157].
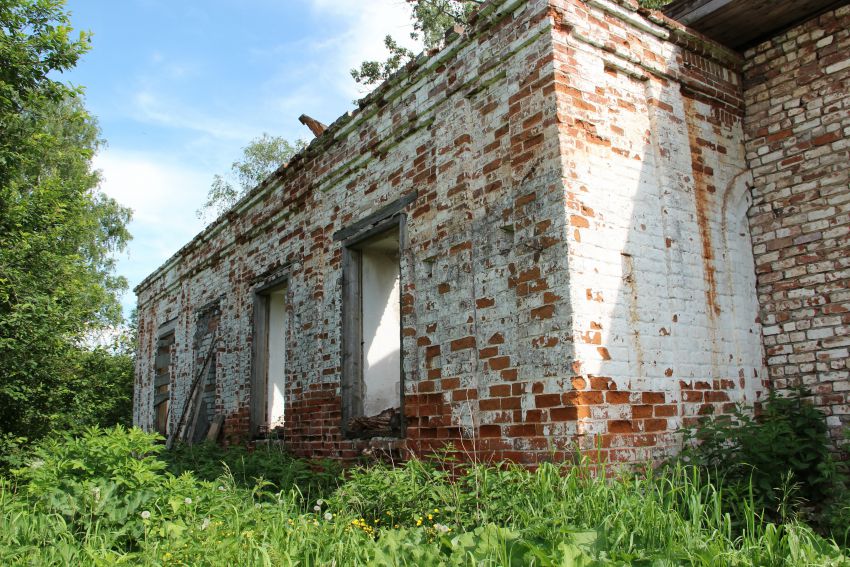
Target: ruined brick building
[580,222]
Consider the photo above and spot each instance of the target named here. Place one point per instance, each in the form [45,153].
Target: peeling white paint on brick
[579,270]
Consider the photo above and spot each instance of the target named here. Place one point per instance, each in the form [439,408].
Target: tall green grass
[106,498]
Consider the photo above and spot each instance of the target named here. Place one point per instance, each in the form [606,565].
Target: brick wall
[472,130]
[665,320]
[797,90]
[575,251]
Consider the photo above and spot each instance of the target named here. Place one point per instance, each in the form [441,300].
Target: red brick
[620,426]
[653,397]
[563,414]
[617,397]
[464,343]
[547,400]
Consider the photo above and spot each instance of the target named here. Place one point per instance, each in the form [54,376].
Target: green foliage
[260,158]
[431,19]
[107,497]
[58,233]
[779,459]
[269,466]
[373,72]
[36,41]
[103,385]
[654,4]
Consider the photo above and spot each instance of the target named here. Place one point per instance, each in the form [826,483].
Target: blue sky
[179,87]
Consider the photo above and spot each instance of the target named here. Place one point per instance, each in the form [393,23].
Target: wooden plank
[402,253]
[215,428]
[259,367]
[160,398]
[739,24]
[352,341]
[688,11]
[197,411]
[179,430]
[381,214]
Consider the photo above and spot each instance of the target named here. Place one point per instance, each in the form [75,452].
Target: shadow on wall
[666,320]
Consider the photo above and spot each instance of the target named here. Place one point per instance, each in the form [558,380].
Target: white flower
[441,528]
[187,500]
[96,493]
[145,515]
[320,501]
[221,488]
[317,508]
[328,516]
[205,524]
[37,464]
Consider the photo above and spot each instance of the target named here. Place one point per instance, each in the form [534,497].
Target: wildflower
[436,510]
[441,528]
[328,516]
[418,521]
[221,488]
[317,508]
[430,517]
[319,502]
[187,500]
[205,524]
[167,556]
[96,493]
[145,515]
[37,464]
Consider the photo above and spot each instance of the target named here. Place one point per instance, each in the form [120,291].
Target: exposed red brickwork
[797,88]
[578,271]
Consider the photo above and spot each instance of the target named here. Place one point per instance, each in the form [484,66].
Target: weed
[108,497]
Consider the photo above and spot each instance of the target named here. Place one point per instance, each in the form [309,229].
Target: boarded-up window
[163,381]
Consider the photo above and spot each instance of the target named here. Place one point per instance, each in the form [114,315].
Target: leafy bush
[268,465]
[777,461]
[99,481]
[107,498]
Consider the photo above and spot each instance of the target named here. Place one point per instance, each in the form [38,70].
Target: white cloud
[163,196]
[308,75]
[153,109]
[159,192]
[362,38]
